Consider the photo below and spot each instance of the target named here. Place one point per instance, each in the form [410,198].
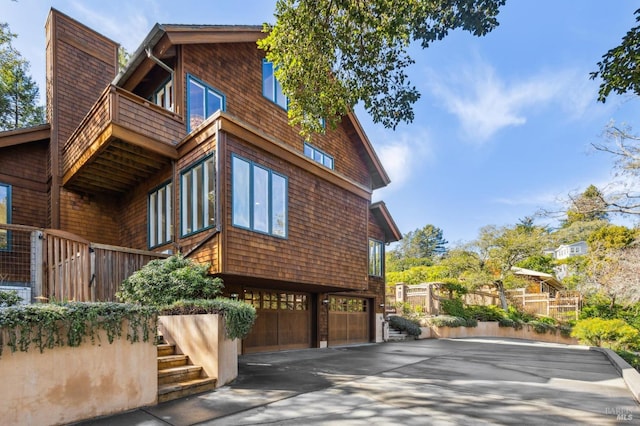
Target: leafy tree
[18,92]
[538,262]
[329,55]
[425,243]
[123,57]
[619,68]
[586,207]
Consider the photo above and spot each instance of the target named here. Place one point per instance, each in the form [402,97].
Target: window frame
[207,88]
[8,189]
[324,156]
[270,214]
[168,186]
[376,266]
[204,194]
[274,87]
[163,86]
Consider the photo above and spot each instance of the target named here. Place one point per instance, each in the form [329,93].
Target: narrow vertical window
[197,189]
[259,198]
[271,88]
[5,215]
[160,215]
[164,95]
[376,255]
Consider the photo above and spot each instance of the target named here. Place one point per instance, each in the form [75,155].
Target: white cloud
[402,153]
[127,27]
[485,103]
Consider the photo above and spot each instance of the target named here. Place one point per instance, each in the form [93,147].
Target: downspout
[164,66]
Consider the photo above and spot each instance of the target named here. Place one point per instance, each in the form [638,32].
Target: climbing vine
[73,323]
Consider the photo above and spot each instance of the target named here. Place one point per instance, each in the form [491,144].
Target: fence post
[37,265]
[92,272]
[400,292]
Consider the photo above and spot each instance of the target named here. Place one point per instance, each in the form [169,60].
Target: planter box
[64,384]
[202,338]
[492,329]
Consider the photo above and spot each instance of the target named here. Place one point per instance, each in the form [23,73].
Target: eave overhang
[25,135]
[386,222]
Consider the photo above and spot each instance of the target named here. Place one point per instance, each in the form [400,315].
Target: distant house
[569,250]
[189,149]
[540,282]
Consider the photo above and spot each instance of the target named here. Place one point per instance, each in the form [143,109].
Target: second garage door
[349,320]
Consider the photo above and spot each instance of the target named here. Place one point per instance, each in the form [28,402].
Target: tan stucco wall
[492,329]
[65,384]
[202,338]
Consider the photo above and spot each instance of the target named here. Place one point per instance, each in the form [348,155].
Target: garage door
[283,321]
[348,320]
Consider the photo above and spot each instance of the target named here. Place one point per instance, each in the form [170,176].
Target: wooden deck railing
[58,265]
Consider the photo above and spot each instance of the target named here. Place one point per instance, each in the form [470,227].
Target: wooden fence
[58,265]
[564,306]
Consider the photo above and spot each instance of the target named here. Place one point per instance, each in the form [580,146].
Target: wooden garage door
[348,320]
[283,321]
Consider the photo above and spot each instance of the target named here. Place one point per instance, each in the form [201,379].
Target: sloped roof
[541,276]
[178,34]
[386,222]
[25,135]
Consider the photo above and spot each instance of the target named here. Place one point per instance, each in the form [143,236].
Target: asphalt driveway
[424,382]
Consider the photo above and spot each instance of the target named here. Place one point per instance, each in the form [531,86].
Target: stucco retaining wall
[492,329]
[202,338]
[65,384]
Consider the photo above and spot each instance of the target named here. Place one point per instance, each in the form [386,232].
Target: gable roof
[539,276]
[384,219]
[163,36]
[25,135]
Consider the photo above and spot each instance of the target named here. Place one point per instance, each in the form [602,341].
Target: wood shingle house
[188,149]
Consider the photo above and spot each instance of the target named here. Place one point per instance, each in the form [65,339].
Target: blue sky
[504,124]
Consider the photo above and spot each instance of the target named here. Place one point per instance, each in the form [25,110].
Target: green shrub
[547,320]
[565,330]
[506,322]
[9,298]
[239,316]
[453,307]
[632,358]
[542,327]
[485,313]
[471,322]
[403,324]
[448,321]
[72,323]
[519,316]
[612,333]
[164,281]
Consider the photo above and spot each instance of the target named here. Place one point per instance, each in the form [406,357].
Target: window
[259,198]
[376,254]
[197,193]
[202,102]
[318,156]
[271,88]
[160,215]
[164,95]
[5,215]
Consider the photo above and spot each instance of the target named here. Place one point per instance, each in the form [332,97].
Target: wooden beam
[89,154]
[145,142]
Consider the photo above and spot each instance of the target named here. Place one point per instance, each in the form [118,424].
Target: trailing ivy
[239,316]
[73,323]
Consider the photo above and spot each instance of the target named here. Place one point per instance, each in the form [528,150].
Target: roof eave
[385,220]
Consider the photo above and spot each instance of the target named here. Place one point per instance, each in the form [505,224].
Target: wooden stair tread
[171,387]
[172,370]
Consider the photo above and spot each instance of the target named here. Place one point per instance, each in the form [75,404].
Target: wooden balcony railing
[122,134]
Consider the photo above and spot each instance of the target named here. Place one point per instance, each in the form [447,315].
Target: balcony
[122,141]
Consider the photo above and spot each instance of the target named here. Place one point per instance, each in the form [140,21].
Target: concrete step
[170,361]
[165,349]
[171,391]
[179,374]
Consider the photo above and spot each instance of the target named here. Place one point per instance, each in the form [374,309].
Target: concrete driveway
[424,382]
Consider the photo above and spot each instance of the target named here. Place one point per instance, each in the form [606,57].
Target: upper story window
[161,215]
[198,197]
[5,214]
[376,256]
[164,95]
[259,198]
[202,102]
[318,156]
[271,88]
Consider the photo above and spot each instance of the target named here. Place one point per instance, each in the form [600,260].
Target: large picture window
[259,198]
[376,255]
[198,197]
[5,215]
[202,102]
[160,215]
[271,88]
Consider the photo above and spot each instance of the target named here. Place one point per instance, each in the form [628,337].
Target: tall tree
[423,243]
[329,55]
[590,205]
[19,93]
